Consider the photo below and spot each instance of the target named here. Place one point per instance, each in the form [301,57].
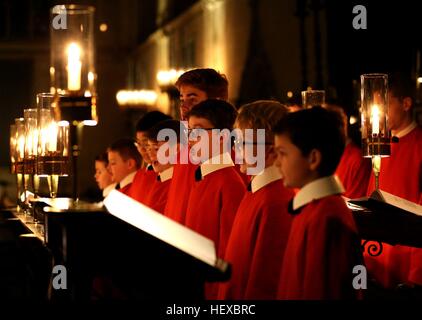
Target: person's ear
[131,164]
[314,159]
[407,103]
[270,154]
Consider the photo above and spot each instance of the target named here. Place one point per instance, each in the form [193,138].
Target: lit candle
[375,116]
[21,146]
[74,66]
[52,136]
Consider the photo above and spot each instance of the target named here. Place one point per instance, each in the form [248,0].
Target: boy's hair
[148,120]
[126,148]
[261,114]
[102,157]
[213,83]
[315,128]
[174,125]
[220,113]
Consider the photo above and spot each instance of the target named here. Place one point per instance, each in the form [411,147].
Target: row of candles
[39,147]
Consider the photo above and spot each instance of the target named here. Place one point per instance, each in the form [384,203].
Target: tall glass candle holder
[14,159]
[374,111]
[12,148]
[19,156]
[53,144]
[73,75]
[72,70]
[31,143]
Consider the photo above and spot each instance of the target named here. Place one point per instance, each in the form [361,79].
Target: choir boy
[124,160]
[261,227]
[145,176]
[218,188]
[323,246]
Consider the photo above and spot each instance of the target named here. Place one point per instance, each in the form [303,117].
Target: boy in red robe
[162,155]
[145,177]
[353,170]
[261,227]
[218,189]
[401,175]
[124,160]
[323,246]
[194,86]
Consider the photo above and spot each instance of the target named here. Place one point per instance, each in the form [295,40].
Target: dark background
[390,43]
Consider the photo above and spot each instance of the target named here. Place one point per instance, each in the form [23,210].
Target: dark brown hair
[126,148]
[213,83]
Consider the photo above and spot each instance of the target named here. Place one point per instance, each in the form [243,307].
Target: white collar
[108,189]
[127,180]
[406,130]
[166,174]
[264,178]
[215,163]
[317,189]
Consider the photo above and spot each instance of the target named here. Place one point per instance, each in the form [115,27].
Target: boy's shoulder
[225,175]
[328,207]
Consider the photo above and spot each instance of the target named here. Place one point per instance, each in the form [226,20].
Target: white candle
[74,67]
[52,136]
[375,117]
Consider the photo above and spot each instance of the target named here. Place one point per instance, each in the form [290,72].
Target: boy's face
[190,97]
[141,143]
[153,147]
[251,155]
[119,167]
[102,175]
[293,165]
[196,141]
[397,111]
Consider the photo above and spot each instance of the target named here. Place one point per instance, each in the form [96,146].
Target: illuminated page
[161,227]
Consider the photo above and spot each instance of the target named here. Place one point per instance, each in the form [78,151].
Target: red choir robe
[157,196]
[323,246]
[179,191]
[354,171]
[259,236]
[401,175]
[212,206]
[142,183]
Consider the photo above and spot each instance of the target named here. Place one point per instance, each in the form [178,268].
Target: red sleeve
[230,200]
[268,253]
[361,170]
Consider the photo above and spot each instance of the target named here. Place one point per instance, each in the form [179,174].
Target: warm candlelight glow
[136,97]
[168,77]
[74,67]
[375,118]
[21,146]
[52,136]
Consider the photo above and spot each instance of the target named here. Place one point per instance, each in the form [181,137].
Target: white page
[398,202]
[161,227]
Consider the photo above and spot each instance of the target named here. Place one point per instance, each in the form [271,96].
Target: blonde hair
[261,114]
